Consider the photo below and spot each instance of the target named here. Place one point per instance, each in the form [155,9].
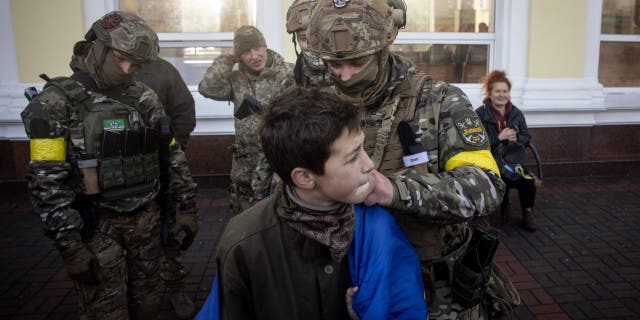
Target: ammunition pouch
[121,177]
[115,138]
[440,271]
[473,271]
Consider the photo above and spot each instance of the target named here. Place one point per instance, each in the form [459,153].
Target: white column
[512,37]
[8,59]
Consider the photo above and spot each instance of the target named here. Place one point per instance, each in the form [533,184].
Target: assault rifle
[249,105]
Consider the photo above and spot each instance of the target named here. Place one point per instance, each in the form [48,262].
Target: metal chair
[538,175]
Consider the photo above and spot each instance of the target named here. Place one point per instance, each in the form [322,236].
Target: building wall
[45,36]
[575,129]
[557,38]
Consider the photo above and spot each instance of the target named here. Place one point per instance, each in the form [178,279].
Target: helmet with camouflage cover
[298,15]
[349,29]
[126,33]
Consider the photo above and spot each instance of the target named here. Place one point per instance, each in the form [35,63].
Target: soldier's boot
[182,304]
[529,220]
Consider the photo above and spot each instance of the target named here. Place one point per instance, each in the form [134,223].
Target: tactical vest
[418,104]
[112,136]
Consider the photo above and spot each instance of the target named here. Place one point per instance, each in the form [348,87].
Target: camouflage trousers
[250,178]
[128,251]
[172,270]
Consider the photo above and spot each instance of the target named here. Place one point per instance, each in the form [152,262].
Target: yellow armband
[481,158]
[48,149]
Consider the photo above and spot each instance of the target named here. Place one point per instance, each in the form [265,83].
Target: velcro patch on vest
[470,128]
[113,124]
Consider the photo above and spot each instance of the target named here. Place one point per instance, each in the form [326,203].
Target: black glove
[81,264]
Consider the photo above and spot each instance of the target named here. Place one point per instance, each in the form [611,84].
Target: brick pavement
[583,263]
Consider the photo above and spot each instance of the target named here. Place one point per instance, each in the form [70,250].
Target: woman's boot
[529,220]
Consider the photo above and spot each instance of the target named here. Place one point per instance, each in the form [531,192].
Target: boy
[285,257]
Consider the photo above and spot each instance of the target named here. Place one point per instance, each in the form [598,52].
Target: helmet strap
[295,44]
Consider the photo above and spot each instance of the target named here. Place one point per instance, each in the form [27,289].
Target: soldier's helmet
[349,29]
[126,33]
[298,15]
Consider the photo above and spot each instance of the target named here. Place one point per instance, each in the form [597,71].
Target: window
[451,40]
[620,44]
[192,33]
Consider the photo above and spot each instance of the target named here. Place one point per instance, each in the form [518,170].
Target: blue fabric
[211,308]
[382,264]
[385,267]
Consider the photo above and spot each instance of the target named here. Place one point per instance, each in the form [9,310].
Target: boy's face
[346,173]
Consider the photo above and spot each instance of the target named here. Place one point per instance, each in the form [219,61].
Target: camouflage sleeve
[46,121]
[466,183]
[181,185]
[150,105]
[216,83]
[290,78]
[261,180]
[183,189]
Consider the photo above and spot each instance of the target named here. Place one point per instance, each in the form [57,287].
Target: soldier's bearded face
[255,59]
[347,172]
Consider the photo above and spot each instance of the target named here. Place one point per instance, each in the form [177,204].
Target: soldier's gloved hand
[187,223]
[81,264]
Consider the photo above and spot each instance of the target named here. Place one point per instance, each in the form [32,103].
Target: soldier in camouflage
[434,171]
[161,76]
[262,74]
[309,69]
[94,171]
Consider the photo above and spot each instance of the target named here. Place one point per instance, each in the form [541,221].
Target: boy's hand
[382,193]
[351,292]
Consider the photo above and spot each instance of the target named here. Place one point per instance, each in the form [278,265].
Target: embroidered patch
[470,129]
[111,21]
[113,124]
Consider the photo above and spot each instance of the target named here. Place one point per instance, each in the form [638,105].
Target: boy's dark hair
[299,126]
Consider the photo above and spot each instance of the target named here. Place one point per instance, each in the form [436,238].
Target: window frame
[613,98]
[507,49]
[96,9]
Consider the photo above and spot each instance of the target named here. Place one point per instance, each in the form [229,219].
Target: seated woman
[508,135]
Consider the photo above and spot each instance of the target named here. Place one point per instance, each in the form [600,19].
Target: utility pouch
[110,173]
[133,170]
[150,160]
[473,271]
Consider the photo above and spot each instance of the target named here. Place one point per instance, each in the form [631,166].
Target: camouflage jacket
[221,82]
[311,73]
[458,182]
[176,98]
[56,184]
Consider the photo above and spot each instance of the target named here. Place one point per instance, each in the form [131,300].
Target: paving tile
[581,264]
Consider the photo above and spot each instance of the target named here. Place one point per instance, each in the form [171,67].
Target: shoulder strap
[412,88]
[71,89]
[409,88]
